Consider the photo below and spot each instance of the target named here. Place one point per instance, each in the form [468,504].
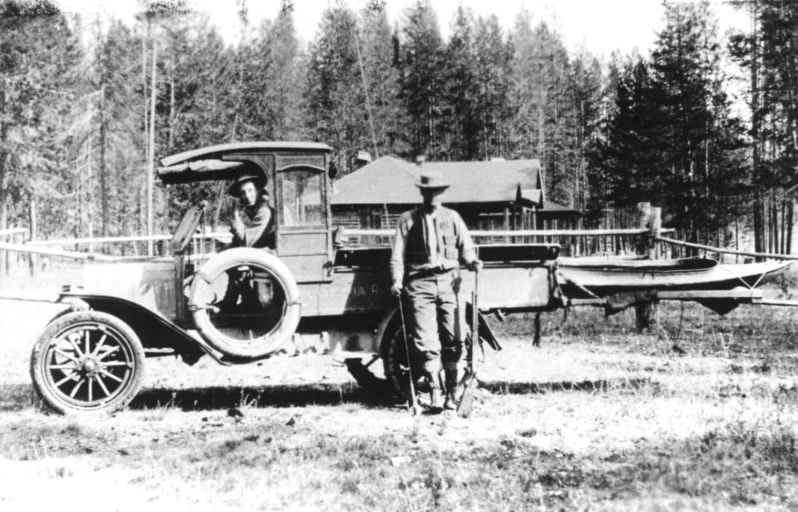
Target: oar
[414,408]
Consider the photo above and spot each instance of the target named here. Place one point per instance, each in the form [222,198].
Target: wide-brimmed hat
[257,179]
[431,180]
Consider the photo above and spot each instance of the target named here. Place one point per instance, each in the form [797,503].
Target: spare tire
[252,323]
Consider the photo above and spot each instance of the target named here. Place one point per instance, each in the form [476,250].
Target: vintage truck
[90,358]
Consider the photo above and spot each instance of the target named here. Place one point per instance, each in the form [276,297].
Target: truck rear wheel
[87,362]
[245,303]
[394,355]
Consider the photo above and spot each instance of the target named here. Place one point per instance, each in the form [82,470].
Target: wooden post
[14,256]
[91,235]
[643,222]
[646,317]
[6,259]
[506,223]
[536,340]
[654,232]
[645,312]
[514,222]
[33,259]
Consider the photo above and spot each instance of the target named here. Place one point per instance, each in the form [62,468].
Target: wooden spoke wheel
[86,362]
[394,358]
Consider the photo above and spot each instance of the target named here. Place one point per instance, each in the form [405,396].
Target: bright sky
[600,25]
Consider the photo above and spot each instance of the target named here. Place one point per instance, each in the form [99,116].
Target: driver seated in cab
[252,224]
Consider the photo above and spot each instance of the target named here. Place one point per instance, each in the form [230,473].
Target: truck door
[303,221]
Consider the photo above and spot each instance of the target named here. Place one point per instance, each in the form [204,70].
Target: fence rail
[221,236]
[7,259]
[573,242]
[27,249]
[726,251]
[39,247]
[520,232]
[34,249]
[13,231]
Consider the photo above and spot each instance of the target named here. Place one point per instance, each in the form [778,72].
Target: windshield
[301,198]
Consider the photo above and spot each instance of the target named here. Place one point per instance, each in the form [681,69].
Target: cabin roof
[392,181]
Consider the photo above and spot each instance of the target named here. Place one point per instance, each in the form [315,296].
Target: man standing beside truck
[431,243]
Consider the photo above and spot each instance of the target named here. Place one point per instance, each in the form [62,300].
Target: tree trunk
[103,170]
[151,158]
[790,211]
[3,162]
[783,246]
[172,123]
[774,223]
[756,119]
[3,175]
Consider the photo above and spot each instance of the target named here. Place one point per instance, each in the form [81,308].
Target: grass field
[596,419]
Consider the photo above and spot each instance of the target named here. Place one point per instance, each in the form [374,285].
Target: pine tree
[335,110]
[421,60]
[285,76]
[584,91]
[460,135]
[380,66]
[697,143]
[38,63]
[493,56]
[769,54]
[540,69]
[626,159]
[110,135]
[271,81]
[199,102]
[670,138]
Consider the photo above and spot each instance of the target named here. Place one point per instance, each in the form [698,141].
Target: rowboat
[585,277]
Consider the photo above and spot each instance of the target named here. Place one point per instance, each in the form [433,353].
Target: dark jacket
[256,227]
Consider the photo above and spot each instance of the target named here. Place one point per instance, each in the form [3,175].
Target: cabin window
[301,194]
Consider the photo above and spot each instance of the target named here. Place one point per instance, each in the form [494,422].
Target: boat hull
[596,278]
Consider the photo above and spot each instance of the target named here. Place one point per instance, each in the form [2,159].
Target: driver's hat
[258,179]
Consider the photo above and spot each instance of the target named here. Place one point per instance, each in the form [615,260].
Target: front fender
[154,331]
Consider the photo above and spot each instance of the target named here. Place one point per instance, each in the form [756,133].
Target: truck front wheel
[87,362]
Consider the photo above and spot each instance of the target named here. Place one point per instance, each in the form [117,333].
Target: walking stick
[466,404]
[413,402]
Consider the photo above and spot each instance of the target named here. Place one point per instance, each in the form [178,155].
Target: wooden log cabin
[489,195]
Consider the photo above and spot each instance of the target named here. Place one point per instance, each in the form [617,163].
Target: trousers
[435,320]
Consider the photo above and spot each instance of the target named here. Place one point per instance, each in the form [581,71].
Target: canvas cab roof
[224,161]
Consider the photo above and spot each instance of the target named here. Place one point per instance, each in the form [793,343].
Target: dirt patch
[606,422]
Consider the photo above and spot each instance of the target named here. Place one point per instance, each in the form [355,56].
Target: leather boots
[435,402]
[450,380]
